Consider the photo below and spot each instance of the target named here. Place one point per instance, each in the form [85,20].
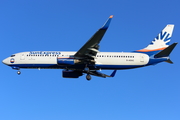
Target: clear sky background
[149,93]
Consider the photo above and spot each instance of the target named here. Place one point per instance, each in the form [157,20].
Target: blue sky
[150,93]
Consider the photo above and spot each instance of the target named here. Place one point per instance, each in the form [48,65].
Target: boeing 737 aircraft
[89,60]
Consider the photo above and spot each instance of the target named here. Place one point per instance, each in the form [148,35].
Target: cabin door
[22,57]
[141,58]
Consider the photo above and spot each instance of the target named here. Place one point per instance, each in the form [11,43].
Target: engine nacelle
[71,74]
[67,61]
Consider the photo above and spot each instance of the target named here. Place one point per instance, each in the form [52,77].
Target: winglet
[107,23]
[111,16]
[113,73]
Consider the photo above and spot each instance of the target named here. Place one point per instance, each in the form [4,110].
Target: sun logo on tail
[162,40]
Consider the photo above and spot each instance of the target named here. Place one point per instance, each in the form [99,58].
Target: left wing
[91,47]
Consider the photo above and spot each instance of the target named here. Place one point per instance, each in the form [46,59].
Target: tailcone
[153,61]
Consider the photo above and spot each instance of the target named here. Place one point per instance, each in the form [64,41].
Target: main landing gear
[88,77]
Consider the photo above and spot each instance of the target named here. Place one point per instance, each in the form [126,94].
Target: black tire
[88,77]
[18,72]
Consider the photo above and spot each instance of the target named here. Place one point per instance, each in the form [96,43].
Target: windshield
[12,55]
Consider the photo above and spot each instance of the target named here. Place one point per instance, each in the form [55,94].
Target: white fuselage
[103,60]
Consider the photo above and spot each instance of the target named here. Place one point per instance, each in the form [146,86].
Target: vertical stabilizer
[161,41]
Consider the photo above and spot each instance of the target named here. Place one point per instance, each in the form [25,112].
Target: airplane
[90,61]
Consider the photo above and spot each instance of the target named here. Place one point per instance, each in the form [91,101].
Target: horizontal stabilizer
[113,73]
[169,61]
[95,73]
[166,52]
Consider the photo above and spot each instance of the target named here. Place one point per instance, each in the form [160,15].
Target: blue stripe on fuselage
[153,61]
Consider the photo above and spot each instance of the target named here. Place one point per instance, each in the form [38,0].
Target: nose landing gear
[18,72]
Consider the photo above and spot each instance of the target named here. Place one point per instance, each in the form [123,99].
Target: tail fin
[161,41]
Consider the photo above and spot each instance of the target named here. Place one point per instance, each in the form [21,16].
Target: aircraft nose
[5,61]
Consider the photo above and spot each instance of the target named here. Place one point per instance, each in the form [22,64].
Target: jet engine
[71,74]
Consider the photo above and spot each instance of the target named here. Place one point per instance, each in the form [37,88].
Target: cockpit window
[12,55]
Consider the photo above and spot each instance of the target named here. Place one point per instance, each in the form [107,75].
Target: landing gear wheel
[88,77]
[18,72]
